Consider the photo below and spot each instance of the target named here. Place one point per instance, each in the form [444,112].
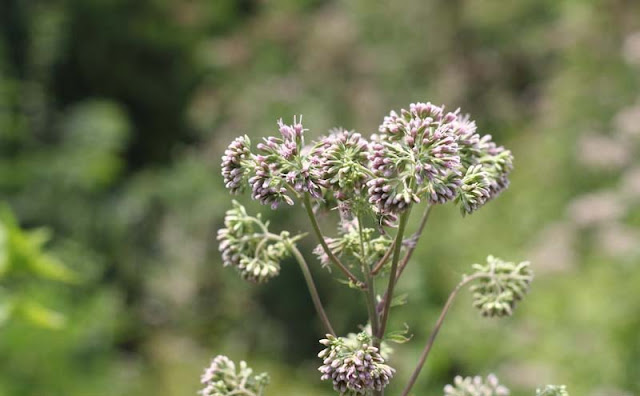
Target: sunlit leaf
[40,315]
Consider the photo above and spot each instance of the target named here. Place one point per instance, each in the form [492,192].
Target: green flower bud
[500,286]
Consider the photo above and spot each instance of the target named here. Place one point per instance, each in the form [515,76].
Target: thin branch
[371,292]
[434,332]
[378,266]
[405,260]
[392,276]
[416,236]
[312,289]
[325,247]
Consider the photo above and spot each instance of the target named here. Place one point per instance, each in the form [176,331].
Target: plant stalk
[312,289]
[434,332]
[405,260]
[392,275]
[325,247]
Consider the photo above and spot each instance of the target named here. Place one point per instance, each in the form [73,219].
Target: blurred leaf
[399,336]
[40,315]
[51,268]
[399,300]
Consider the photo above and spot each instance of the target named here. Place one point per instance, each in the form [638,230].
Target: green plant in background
[21,259]
[424,154]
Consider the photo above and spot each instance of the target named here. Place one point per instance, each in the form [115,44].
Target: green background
[114,115]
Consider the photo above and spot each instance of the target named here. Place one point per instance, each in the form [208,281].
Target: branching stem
[392,275]
[312,289]
[436,329]
[405,260]
[325,247]
[371,292]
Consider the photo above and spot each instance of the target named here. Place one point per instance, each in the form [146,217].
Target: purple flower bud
[234,167]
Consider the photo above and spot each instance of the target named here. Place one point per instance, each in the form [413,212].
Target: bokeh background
[113,118]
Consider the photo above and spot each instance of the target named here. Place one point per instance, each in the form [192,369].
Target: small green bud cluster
[500,286]
[552,390]
[349,245]
[476,386]
[354,365]
[247,245]
[222,378]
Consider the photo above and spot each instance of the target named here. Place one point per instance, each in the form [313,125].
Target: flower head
[475,189]
[222,378]
[500,286]
[476,386]
[234,164]
[246,245]
[344,158]
[480,156]
[415,154]
[354,365]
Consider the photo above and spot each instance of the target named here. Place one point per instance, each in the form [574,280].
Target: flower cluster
[423,152]
[247,245]
[343,158]
[354,365]
[277,170]
[349,245]
[415,154]
[500,286]
[234,166]
[486,167]
[476,386]
[552,390]
[222,379]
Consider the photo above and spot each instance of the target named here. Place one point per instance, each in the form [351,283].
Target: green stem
[392,275]
[312,289]
[371,292]
[325,247]
[405,260]
[436,329]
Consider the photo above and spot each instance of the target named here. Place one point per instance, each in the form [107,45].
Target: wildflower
[354,366]
[501,285]
[416,154]
[343,156]
[222,378]
[474,190]
[476,386]
[234,166]
[267,189]
[245,245]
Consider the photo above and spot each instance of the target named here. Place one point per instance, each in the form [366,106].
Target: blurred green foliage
[113,118]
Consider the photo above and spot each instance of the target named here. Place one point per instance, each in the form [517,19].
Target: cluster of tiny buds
[246,245]
[500,286]
[421,153]
[343,158]
[476,386]
[353,365]
[222,378]
[233,170]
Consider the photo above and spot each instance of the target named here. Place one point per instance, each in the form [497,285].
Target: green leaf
[399,336]
[51,268]
[40,315]
[399,300]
